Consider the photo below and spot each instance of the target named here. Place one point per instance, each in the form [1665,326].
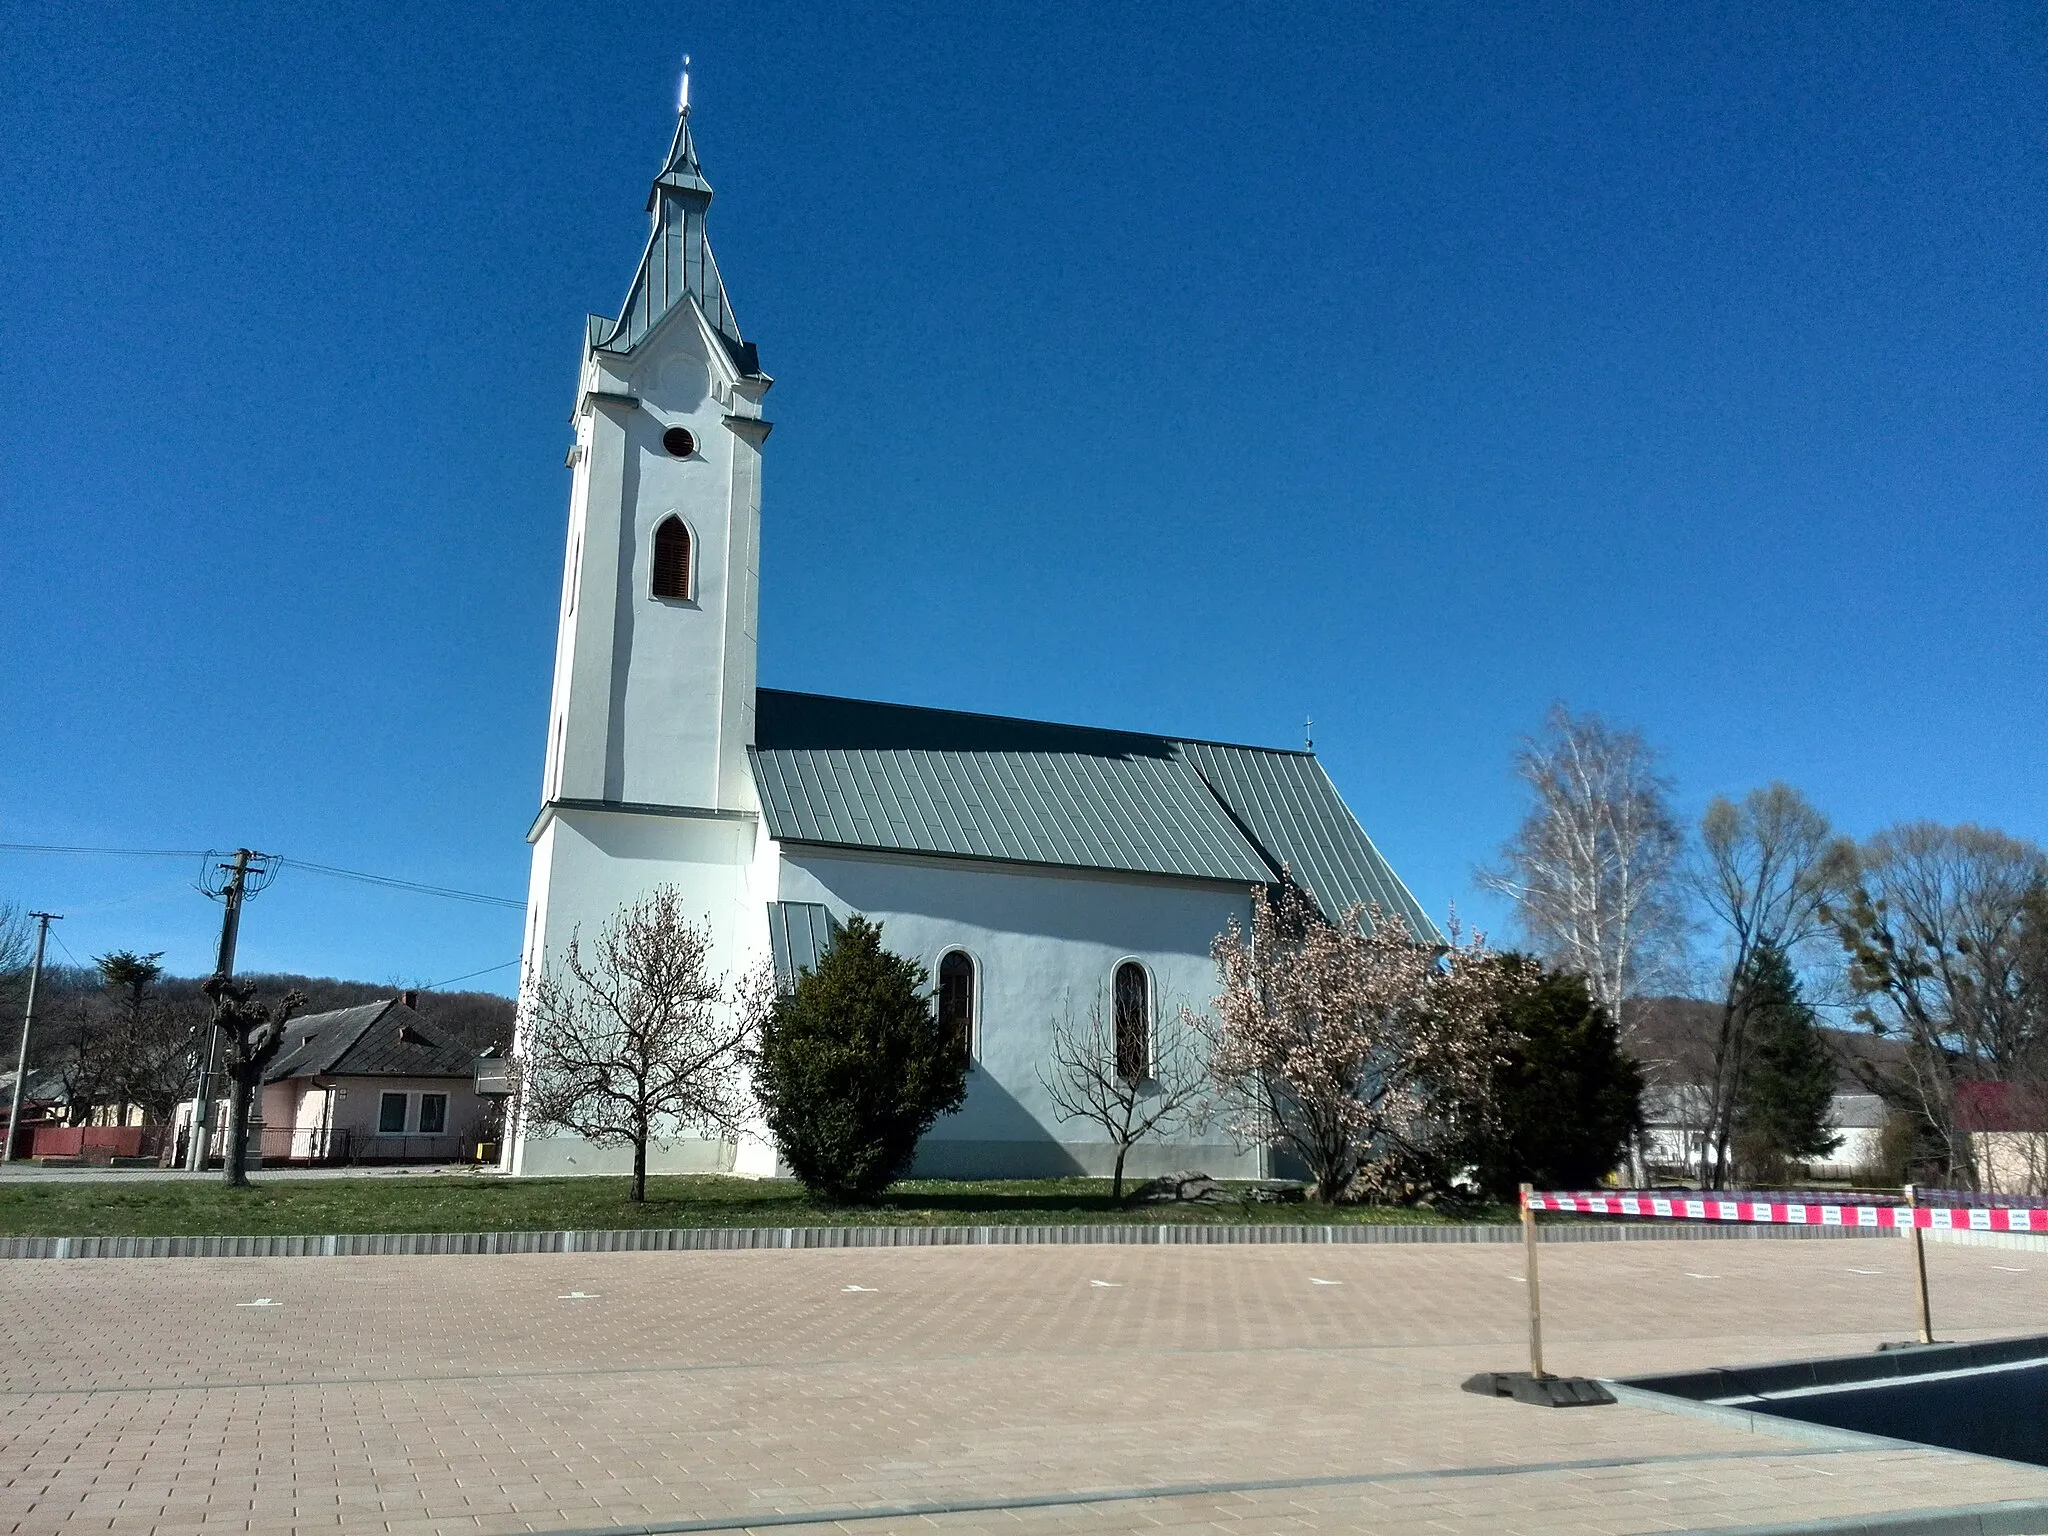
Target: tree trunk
[234,1162]
[1116,1181]
[639,1162]
[1329,1176]
[1725,1134]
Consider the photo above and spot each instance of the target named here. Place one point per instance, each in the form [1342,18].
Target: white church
[1036,871]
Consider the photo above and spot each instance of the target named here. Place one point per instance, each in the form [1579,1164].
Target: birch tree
[633,1040]
[1593,867]
[1342,1042]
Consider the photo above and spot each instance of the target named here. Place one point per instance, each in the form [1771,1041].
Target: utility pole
[232,893]
[28,1022]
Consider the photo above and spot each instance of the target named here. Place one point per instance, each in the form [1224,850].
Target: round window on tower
[680,441]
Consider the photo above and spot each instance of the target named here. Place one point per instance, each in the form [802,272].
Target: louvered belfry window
[1133,1023]
[956,999]
[672,559]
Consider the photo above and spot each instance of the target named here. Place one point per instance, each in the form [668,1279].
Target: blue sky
[1183,368]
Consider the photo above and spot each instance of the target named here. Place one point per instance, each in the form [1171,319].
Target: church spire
[678,262]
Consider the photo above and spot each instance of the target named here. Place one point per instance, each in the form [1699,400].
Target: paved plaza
[1012,1390]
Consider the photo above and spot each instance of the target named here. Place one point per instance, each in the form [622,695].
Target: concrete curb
[2015,1517]
[2024,1242]
[727,1239]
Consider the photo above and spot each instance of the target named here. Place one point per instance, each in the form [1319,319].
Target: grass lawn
[54,1208]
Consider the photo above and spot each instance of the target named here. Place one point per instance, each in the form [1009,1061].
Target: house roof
[896,778]
[2000,1106]
[384,1039]
[42,1086]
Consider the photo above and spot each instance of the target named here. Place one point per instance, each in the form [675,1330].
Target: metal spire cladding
[678,262]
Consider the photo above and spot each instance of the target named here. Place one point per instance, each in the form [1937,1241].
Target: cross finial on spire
[683,93]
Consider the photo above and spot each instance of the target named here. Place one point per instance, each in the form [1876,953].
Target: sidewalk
[952,1390]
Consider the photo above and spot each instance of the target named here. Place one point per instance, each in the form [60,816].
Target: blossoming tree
[633,1039]
[1347,1043]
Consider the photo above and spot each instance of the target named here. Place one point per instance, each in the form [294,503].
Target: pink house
[374,1083]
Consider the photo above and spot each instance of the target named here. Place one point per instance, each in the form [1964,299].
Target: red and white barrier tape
[1939,1218]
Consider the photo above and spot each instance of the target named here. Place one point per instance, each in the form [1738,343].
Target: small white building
[1036,870]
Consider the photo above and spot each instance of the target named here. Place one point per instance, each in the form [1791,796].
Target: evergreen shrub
[1563,1107]
[854,1068]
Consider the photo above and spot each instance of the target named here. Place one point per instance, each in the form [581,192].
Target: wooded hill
[475,1019]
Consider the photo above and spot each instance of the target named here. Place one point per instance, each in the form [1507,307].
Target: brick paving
[487,1395]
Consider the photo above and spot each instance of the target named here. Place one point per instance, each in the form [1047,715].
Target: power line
[404,885]
[390,882]
[132,853]
[435,986]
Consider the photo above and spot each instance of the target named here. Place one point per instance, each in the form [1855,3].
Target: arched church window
[956,999]
[672,559]
[1133,1022]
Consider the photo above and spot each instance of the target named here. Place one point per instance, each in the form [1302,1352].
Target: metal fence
[279,1145]
[314,1147]
[101,1143]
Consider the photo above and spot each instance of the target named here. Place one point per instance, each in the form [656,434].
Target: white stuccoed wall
[654,697]
[589,864]
[653,703]
[1045,942]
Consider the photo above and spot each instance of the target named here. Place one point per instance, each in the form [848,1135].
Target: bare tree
[1342,1041]
[635,1041]
[1593,868]
[1946,931]
[152,1041]
[1127,1076]
[77,1049]
[1767,868]
[254,1033]
[17,938]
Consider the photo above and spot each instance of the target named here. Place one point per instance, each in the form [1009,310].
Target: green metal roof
[1287,804]
[677,263]
[891,777]
[799,933]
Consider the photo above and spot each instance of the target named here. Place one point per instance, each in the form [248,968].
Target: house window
[672,559]
[391,1114]
[433,1113]
[1133,1022]
[956,999]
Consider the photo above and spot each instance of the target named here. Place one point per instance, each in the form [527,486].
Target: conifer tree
[854,1067]
[1564,1102]
[1788,1082]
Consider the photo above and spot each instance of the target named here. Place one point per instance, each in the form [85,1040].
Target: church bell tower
[646,780]
[654,670]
